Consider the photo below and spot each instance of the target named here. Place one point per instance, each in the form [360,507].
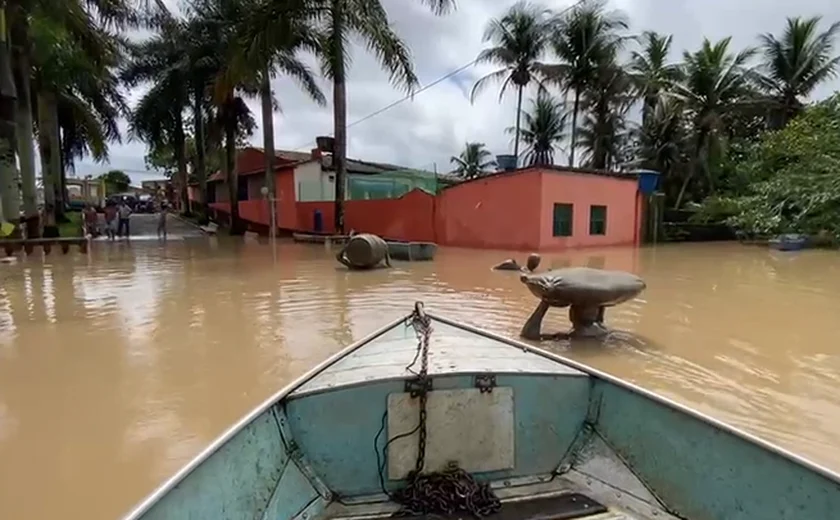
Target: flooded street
[118,367]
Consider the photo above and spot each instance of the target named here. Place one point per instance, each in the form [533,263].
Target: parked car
[145,204]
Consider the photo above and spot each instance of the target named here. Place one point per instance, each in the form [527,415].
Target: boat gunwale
[173,481]
[228,434]
[670,403]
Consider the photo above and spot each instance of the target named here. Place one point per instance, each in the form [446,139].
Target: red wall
[504,211]
[498,212]
[410,217]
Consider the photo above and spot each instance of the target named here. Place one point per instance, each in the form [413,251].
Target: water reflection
[117,367]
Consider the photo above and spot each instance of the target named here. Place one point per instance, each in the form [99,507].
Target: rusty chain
[444,492]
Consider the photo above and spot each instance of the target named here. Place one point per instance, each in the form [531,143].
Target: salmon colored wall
[506,211]
[410,217]
[500,212]
[582,190]
[284,186]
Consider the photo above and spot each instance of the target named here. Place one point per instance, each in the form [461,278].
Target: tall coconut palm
[77,82]
[606,103]
[8,126]
[796,63]
[220,29]
[78,20]
[473,162]
[544,129]
[158,117]
[273,35]
[367,21]
[580,37]
[650,70]
[716,83]
[520,41]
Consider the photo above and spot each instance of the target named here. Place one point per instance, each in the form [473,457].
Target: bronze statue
[364,251]
[586,291]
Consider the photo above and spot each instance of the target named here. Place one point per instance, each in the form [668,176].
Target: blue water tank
[506,162]
[318,221]
[648,181]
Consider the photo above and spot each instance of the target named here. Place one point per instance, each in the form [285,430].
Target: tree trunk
[575,110]
[50,158]
[231,176]
[60,186]
[268,143]
[179,141]
[25,135]
[9,194]
[339,115]
[200,149]
[701,138]
[518,119]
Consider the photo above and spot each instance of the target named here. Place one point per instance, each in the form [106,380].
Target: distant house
[154,186]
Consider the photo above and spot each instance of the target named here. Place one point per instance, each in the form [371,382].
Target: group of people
[118,220]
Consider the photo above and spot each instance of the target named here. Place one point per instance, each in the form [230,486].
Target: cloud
[426,131]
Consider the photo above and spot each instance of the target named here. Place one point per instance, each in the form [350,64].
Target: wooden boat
[314,238]
[508,431]
[412,251]
[789,242]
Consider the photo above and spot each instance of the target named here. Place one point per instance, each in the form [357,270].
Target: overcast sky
[425,132]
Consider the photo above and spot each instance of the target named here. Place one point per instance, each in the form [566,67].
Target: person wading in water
[161,226]
[111,220]
[125,214]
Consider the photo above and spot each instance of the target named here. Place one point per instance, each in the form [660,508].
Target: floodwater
[117,367]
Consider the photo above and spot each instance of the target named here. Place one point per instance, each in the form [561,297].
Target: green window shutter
[563,220]
[597,220]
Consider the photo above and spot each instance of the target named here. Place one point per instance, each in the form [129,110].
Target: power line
[403,99]
[432,84]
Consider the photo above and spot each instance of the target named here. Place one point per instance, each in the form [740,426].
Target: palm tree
[579,39]
[8,126]
[544,129]
[796,63]
[273,35]
[716,83]
[473,162]
[78,21]
[341,20]
[520,41]
[650,70]
[219,26]
[158,117]
[77,101]
[606,103]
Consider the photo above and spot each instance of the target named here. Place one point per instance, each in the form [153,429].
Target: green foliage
[794,177]
[116,181]
[475,161]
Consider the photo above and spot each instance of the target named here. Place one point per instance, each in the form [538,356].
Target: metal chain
[423,328]
[444,492]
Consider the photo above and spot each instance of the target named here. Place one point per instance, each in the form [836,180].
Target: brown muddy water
[116,368]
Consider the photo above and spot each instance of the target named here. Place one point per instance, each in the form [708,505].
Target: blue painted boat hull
[548,426]
[411,251]
[789,242]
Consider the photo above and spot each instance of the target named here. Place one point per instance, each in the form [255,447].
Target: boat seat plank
[451,351]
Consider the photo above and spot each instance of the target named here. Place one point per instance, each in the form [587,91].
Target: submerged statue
[364,251]
[585,291]
[510,264]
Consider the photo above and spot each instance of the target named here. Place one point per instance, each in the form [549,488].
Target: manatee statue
[364,251]
[511,265]
[585,291]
